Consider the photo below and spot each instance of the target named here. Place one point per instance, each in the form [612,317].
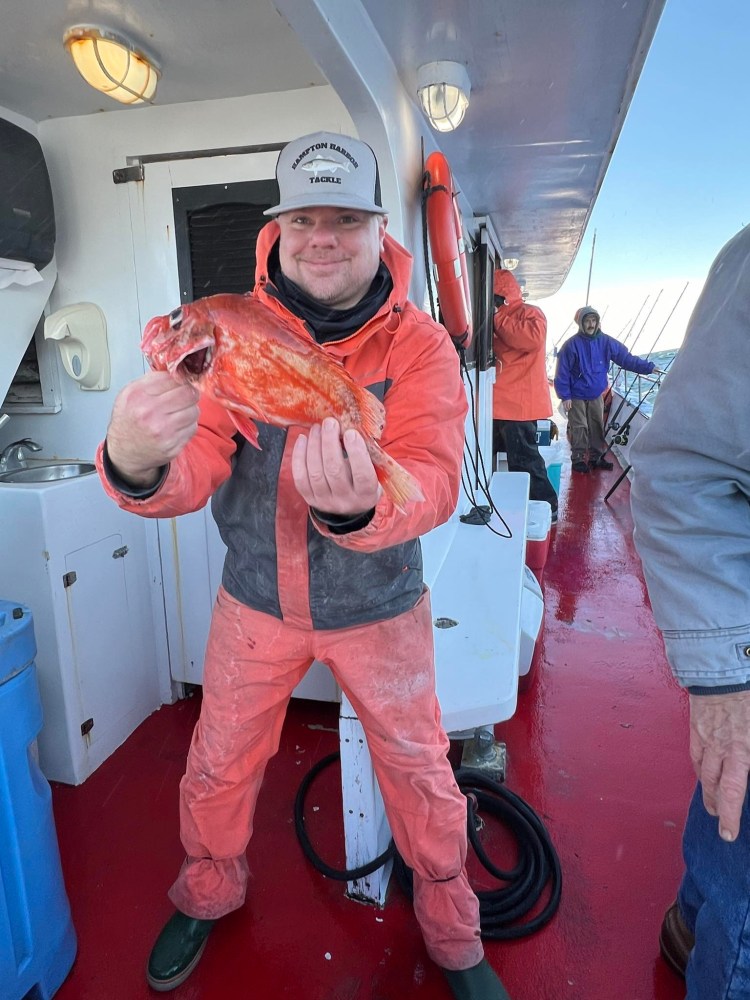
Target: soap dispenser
[81,332]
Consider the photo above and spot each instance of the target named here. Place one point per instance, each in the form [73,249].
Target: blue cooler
[37,940]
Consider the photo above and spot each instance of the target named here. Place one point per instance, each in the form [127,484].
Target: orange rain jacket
[282,561]
[521,386]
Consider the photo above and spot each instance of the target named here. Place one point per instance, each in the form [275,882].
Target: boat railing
[634,387]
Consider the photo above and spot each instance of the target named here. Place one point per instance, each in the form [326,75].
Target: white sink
[48,473]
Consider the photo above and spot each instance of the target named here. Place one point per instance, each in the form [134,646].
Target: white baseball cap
[325,168]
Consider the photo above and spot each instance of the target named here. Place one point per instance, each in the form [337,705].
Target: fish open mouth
[196,363]
[192,364]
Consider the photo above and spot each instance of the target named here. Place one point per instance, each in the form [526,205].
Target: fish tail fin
[398,484]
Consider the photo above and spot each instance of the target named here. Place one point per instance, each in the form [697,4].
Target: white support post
[366,829]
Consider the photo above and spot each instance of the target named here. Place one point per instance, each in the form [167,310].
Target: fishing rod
[668,319]
[611,424]
[623,429]
[628,467]
[608,390]
[563,333]
[631,324]
[635,319]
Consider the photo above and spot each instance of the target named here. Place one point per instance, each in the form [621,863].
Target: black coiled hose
[501,911]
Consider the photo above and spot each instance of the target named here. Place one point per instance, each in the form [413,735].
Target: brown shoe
[675,940]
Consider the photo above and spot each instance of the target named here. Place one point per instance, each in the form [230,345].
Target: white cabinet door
[101,634]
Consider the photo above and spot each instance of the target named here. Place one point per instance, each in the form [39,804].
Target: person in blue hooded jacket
[580,382]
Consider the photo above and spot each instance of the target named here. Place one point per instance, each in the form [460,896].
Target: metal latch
[123,175]
[120,553]
[69,579]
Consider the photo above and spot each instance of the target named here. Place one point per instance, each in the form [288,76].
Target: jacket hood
[582,313]
[506,285]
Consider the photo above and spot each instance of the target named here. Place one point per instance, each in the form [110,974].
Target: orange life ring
[448,249]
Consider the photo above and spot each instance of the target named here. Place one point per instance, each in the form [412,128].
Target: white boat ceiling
[551,84]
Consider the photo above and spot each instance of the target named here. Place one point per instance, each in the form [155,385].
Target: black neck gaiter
[329,324]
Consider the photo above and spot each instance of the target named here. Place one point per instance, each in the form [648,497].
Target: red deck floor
[598,746]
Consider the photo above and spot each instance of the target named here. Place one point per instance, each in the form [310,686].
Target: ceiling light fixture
[510,263]
[111,63]
[443,89]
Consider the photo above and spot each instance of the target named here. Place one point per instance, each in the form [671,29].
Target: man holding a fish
[323,415]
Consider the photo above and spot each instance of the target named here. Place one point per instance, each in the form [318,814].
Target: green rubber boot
[177,951]
[478,983]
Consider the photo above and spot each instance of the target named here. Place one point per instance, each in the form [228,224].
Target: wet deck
[598,746]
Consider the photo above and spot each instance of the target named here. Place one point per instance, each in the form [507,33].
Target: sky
[678,184]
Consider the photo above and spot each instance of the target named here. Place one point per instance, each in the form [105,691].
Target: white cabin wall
[94,247]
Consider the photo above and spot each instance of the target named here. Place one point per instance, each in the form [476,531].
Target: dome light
[112,64]
[443,89]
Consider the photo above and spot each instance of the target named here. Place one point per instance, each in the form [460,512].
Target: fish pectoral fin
[247,428]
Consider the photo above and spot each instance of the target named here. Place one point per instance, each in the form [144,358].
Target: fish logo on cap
[321,164]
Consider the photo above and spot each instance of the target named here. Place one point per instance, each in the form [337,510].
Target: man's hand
[720,751]
[331,479]
[566,404]
[152,420]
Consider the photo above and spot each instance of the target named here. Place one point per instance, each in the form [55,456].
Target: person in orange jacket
[521,395]
[320,563]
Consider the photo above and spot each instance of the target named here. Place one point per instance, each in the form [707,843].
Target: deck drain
[445,623]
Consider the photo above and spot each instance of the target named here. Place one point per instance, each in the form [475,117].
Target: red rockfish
[240,353]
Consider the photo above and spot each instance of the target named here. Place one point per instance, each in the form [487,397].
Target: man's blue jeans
[714,899]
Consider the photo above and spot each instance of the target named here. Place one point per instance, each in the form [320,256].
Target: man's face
[590,324]
[331,253]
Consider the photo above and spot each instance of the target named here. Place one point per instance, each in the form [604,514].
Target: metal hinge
[86,727]
[124,175]
[120,553]
[69,579]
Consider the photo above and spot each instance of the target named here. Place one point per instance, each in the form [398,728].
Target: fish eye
[175,318]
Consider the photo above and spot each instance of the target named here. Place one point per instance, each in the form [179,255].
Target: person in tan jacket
[521,395]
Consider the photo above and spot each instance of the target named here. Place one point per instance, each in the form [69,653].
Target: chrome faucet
[12,456]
